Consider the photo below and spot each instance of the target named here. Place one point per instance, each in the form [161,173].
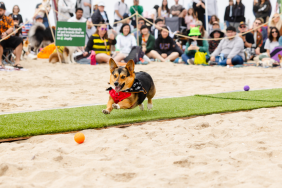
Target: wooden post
[137,14]
[52,33]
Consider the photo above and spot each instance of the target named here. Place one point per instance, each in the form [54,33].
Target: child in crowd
[190,18]
[165,47]
[194,45]
[125,43]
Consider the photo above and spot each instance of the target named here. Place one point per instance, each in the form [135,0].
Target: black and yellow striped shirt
[96,44]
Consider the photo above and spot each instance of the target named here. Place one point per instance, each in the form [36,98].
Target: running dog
[39,36]
[129,89]
[65,53]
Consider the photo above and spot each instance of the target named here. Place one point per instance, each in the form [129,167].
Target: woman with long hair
[125,42]
[147,41]
[261,9]
[15,12]
[190,18]
[238,13]
[194,45]
[164,11]
[270,44]
[276,21]
[101,44]
[213,19]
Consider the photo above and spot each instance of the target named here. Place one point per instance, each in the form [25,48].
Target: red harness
[118,96]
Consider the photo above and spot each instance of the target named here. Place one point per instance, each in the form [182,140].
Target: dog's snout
[116,83]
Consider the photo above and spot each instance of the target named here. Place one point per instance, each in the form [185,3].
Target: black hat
[143,27]
[15,17]
[2,5]
[217,31]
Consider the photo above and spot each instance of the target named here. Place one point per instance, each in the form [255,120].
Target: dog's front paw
[116,106]
[106,112]
[149,106]
[141,106]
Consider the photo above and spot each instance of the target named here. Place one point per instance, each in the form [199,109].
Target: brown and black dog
[129,89]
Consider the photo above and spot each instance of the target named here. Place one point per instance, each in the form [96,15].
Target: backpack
[135,54]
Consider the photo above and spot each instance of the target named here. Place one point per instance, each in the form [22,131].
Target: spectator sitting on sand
[159,25]
[146,41]
[194,45]
[136,32]
[101,44]
[165,48]
[213,44]
[248,40]
[230,51]
[258,38]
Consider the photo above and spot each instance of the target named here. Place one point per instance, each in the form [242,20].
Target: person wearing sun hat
[217,33]
[194,45]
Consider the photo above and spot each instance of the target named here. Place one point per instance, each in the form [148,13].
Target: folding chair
[8,57]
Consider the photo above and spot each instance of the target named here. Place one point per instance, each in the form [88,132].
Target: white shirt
[122,9]
[125,43]
[73,19]
[104,16]
[270,45]
[65,7]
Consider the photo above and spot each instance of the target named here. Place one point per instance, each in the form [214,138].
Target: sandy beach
[241,149]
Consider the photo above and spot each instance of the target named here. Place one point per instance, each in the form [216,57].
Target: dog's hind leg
[150,96]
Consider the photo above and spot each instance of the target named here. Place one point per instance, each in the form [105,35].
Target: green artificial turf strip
[73,119]
[270,95]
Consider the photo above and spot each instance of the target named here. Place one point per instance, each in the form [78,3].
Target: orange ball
[79,137]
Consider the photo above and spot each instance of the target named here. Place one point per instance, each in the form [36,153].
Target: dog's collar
[135,88]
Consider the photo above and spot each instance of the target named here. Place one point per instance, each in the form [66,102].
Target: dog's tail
[36,34]
[54,58]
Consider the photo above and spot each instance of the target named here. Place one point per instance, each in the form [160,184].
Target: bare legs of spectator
[173,56]
[18,53]
[119,57]
[154,54]
[103,58]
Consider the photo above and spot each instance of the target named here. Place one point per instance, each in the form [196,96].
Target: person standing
[135,8]
[121,8]
[238,14]
[228,15]
[261,9]
[200,9]
[40,8]
[212,8]
[178,10]
[15,12]
[86,5]
[100,15]
[66,9]
[164,11]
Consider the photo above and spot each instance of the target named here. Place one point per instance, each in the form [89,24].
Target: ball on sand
[79,137]
[247,88]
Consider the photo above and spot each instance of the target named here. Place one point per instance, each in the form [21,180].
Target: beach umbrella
[275,52]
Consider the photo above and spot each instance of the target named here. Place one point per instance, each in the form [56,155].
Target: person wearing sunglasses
[194,45]
[230,51]
[270,44]
[248,40]
[276,21]
[165,47]
[125,42]
[136,31]
[101,44]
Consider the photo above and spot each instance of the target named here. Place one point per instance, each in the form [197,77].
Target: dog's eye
[123,77]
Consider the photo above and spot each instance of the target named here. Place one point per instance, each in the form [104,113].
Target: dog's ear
[130,66]
[279,56]
[113,65]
